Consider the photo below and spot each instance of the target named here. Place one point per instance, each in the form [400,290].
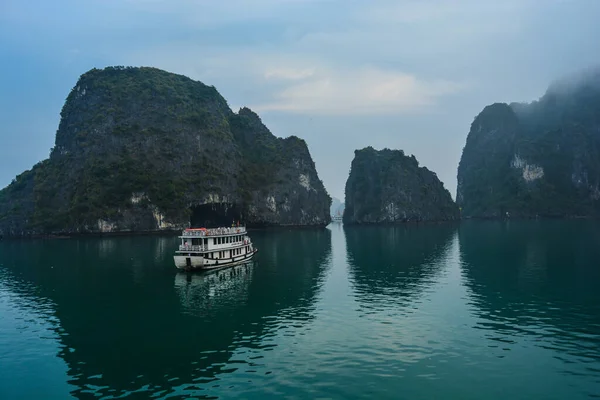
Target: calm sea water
[484,310]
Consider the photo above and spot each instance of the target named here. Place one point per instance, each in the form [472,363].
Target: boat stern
[184,261]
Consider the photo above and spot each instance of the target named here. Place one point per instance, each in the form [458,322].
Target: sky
[342,75]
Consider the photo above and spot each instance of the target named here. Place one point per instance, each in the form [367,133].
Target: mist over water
[484,310]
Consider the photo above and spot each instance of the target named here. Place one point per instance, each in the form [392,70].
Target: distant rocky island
[540,159]
[141,149]
[337,207]
[386,186]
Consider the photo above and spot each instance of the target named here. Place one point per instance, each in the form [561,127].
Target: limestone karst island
[300,199]
[141,150]
[538,159]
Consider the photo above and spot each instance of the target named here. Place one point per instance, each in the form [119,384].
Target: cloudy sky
[343,75]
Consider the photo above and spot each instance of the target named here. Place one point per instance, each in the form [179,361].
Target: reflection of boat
[203,248]
[200,292]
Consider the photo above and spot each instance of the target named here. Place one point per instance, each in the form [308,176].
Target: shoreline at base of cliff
[166,232]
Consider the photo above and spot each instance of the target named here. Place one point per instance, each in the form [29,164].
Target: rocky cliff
[140,149]
[535,159]
[387,186]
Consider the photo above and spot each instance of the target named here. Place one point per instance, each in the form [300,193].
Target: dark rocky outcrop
[387,186]
[537,159]
[140,149]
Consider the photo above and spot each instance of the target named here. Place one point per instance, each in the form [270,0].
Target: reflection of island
[393,263]
[531,277]
[127,319]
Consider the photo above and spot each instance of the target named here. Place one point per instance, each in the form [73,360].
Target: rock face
[537,159]
[140,149]
[387,187]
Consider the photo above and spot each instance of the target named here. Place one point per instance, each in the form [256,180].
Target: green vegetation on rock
[138,148]
[538,159]
[387,186]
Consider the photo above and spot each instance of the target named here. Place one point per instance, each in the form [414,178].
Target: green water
[484,310]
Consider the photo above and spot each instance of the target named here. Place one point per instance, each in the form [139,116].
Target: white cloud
[306,85]
[289,73]
[363,90]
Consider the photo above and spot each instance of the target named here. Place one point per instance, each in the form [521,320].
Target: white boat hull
[196,262]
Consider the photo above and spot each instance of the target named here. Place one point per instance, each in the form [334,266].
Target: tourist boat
[203,249]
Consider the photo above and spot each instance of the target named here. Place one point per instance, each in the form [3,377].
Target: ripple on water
[420,323]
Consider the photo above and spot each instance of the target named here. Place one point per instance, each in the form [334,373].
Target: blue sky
[343,75]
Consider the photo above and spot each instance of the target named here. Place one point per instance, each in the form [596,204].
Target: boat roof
[221,231]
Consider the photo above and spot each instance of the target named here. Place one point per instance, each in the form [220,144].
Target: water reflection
[536,281]
[127,321]
[391,265]
[201,293]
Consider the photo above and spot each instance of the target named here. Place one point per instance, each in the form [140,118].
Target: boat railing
[215,231]
[190,247]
